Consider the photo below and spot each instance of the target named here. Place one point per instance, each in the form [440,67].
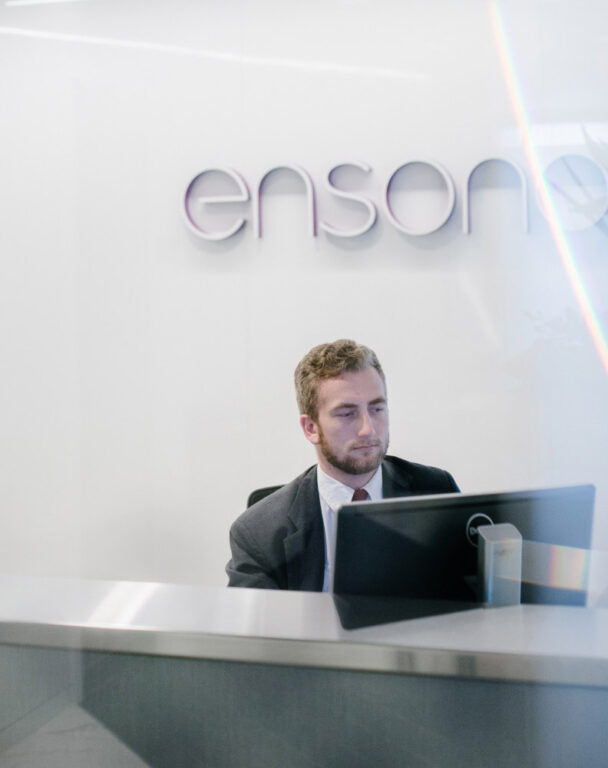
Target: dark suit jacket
[279,542]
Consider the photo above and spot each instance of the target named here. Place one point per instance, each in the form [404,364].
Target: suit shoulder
[423,477]
[270,507]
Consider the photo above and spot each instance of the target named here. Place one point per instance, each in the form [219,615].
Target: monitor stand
[499,564]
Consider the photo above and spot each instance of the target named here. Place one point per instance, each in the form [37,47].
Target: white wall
[146,381]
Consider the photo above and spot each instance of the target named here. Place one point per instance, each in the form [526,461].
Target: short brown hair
[326,361]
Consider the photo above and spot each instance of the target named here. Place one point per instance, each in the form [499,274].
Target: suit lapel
[305,546]
[394,484]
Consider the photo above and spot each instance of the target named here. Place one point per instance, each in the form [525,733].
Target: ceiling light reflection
[14,3]
[228,57]
[122,603]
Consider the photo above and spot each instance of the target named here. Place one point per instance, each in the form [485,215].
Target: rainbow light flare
[555,565]
[569,567]
[515,95]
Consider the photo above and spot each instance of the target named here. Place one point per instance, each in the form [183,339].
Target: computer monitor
[424,548]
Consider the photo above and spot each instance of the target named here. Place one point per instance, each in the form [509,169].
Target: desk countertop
[530,643]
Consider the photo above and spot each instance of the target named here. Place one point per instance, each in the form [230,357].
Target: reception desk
[189,676]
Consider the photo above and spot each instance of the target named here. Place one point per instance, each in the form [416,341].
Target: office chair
[261,493]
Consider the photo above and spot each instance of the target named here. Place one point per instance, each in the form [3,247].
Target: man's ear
[310,429]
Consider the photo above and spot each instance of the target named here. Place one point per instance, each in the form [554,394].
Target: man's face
[351,429]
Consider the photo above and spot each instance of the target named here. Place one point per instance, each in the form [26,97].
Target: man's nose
[365,425]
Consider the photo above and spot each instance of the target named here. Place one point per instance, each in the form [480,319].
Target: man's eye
[377,409]
[345,414]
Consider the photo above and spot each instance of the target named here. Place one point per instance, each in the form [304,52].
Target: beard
[352,464]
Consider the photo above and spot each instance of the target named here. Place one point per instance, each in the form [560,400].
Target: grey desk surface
[548,644]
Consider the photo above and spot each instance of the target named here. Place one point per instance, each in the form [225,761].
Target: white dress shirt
[332,494]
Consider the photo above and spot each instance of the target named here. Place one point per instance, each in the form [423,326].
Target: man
[285,540]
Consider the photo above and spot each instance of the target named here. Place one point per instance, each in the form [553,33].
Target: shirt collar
[334,493]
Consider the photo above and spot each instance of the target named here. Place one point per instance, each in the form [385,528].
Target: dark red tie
[360,494]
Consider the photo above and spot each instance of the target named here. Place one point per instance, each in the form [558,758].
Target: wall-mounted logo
[579,186]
